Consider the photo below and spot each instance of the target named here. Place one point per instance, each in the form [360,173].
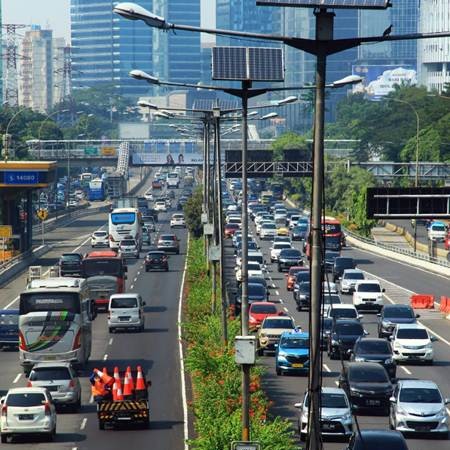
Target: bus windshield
[49,301]
[332,228]
[103,266]
[123,218]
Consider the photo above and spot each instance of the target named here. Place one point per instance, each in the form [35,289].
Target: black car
[325,330]
[70,264]
[302,276]
[376,440]
[289,257]
[330,257]
[368,386]
[9,328]
[375,350]
[302,296]
[151,212]
[333,243]
[340,264]
[156,260]
[299,232]
[391,315]
[344,333]
[256,293]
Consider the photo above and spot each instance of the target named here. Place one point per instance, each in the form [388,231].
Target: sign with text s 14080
[245,446]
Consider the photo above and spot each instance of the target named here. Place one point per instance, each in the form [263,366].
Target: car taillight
[47,409]
[4,410]
[77,341]
[109,314]
[22,343]
[29,384]
[111,238]
[72,384]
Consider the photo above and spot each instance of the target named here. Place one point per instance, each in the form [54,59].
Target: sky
[55,14]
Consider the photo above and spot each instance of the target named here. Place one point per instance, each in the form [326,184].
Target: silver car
[61,381]
[128,248]
[417,406]
[336,415]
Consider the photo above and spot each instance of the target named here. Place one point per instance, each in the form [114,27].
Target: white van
[126,311]
[437,231]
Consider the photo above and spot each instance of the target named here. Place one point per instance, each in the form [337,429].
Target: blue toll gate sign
[22,177]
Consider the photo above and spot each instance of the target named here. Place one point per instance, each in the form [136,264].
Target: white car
[276,248]
[126,311]
[437,231]
[254,270]
[128,248]
[161,205]
[100,239]
[262,217]
[329,287]
[148,195]
[343,311]
[368,294]
[412,343]
[349,279]
[261,223]
[294,220]
[177,220]
[27,410]
[282,239]
[268,231]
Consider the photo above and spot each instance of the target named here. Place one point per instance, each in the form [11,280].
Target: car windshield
[369,287]
[278,323]
[124,302]
[331,299]
[304,287]
[420,395]
[288,253]
[253,266]
[367,375]
[269,226]
[291,342]
[128,242]
[71,257]
[331,256]
[348,329]
[156,255]
[303,275]
[263,309]
[329,400]
[412,333]
[344,262]
[50,374]
[167,237]
[281,245]
[27,399]
[374,347]
[349,313]
[438,227]
[354,276]
[401,313]
[256,289]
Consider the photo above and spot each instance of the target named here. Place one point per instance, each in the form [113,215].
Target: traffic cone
[141,388]
[105,371]
[119,395]
[130,377]
[127,391]
[107,380]
[116,373]
[114,391]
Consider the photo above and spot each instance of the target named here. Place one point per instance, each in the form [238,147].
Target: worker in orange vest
[101,386]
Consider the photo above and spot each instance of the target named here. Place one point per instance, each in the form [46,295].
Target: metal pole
[244,266]
[416,180]
[42,232]
[220,230]
[324,28]
[215,238]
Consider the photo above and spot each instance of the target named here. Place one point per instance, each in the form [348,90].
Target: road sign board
[5,231]
[245,446]
[42,214]
[91,151]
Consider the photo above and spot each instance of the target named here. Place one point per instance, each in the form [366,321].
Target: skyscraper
[106,47]
[177,56]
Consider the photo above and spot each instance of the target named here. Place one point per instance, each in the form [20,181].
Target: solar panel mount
[247,63]
[329,4]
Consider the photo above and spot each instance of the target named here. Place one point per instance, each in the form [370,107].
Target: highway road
[156,350]
[399,280]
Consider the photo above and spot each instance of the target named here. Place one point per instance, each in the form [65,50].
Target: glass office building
[105,47]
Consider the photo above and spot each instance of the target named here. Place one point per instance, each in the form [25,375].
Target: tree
[193,212]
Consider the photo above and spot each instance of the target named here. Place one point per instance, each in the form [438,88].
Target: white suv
[177,220]
[100,239]
[368,294]
[268,231]
[349,279]
[28,410]
[126,311]
[411,342]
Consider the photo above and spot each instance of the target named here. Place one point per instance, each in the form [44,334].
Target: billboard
[380,80]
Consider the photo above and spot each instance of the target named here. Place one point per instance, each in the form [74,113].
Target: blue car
[9,328]
[292,353]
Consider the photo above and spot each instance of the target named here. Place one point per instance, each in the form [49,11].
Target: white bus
[55,322]
[173,180]
[124,222]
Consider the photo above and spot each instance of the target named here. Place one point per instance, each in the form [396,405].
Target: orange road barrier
[422,301]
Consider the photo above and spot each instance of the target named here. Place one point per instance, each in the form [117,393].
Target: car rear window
[125,302]
[128,242]
[368,375]
[278,323]
[70,257]
[26,399]
[167,237]
[50,373]
[349,313]
[263,309]
[100,234]
[412,333]
[369,287]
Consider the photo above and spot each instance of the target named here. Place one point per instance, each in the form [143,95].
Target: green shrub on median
[216,378]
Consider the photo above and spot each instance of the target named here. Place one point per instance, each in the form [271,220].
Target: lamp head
[145,104]
[141,75]
[132,11]
[350,79]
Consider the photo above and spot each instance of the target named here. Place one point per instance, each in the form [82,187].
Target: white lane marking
[326,368]
[273,285]
[181,356]
[17,378]
[139,272]
[285,309]
[280,300]
[91,399]
[105,357]
[132,286]
[110,341]
[448,411]
[83,424]
[336,382]
[277,292]
[135,279]
[406,370]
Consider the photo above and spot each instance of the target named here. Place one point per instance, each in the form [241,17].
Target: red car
[447,241]
[291,276]
[156,184]
[258,311]
[230,229]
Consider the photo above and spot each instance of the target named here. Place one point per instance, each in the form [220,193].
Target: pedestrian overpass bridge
[109,153]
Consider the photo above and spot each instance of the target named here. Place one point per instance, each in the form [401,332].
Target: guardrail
[420,256]
[15,260]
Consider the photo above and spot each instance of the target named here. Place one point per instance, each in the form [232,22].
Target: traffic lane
[408,277]
[156,350]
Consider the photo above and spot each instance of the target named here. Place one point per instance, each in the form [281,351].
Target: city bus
[85,178]
[55,322]
[96,190]
[124,222]
[105,272]
[333,234]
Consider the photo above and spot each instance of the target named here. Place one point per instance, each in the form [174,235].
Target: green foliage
[216,377]
[193,212]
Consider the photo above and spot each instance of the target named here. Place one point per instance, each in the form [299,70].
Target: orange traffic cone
[141,388]
[105,371]
[114,391]
[130,377]
[104,377]
[127,391]
[116,373]
[119,395]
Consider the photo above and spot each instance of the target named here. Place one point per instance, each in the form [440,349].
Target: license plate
[297,365]
[373,402]
[26,416]
[328,426]
[50,358]
[422,428]
[123,319]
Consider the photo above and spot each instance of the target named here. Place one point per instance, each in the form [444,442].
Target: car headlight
[334,342]
[388,361]
[347,417]
[359,359]
[429,346]
[281,357]
[442,414]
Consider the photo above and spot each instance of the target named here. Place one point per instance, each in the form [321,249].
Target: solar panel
[247,63]
[331,4]
[207,104]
